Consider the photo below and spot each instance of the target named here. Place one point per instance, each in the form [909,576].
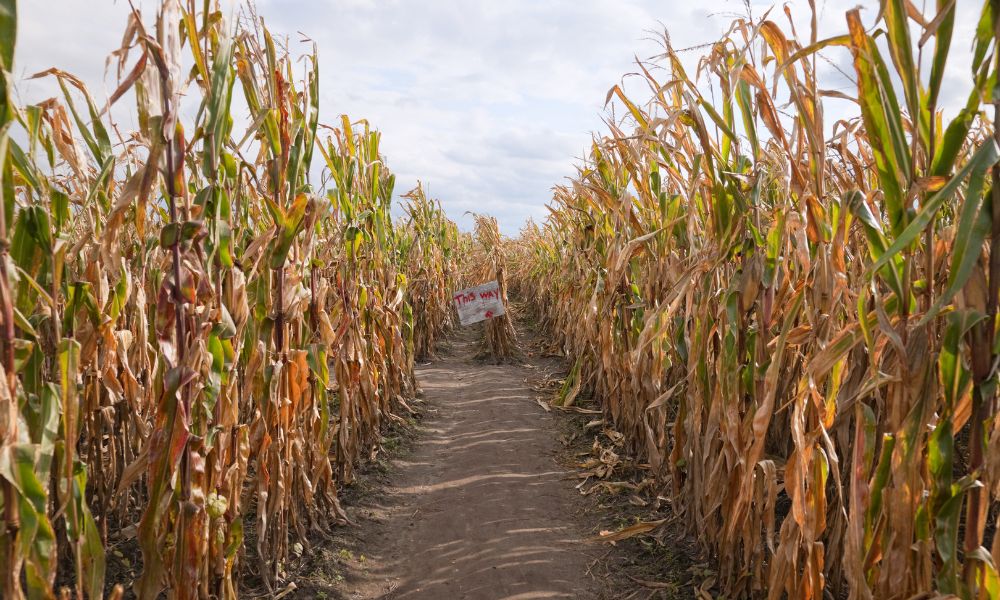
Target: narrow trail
[480,509]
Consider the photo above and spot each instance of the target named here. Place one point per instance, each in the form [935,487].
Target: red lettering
[462,298]
[465,297]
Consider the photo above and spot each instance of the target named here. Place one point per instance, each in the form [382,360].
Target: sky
[488,103]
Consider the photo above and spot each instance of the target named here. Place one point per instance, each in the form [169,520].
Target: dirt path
[481,508]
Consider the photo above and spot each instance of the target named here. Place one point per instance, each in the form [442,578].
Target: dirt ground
[480,502]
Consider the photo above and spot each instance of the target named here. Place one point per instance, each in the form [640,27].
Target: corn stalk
[486,262]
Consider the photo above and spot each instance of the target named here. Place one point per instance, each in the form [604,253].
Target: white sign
[478,303]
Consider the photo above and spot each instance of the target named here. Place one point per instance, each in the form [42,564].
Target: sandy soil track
[480,508]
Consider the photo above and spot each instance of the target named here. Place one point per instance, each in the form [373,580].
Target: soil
[478,500]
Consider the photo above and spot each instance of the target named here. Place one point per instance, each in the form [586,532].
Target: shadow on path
[481,508]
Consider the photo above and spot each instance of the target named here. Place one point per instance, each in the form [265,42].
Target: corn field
[793,322]
[208,323]
[428,250]
[199,339]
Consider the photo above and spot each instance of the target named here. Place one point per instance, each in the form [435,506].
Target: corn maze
[207,324]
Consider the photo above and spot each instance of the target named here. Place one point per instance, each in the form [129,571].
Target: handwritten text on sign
[479,303]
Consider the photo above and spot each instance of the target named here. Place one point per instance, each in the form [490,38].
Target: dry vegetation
[486,260]
[793,322]
[198,340]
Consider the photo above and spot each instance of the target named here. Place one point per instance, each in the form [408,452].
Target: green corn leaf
[91,551]
[882,119]
[288,230]
[892,272]
[37,537]
[901,51]
[878,483]
[942,44]
[954,377]
[8,41]
[974,170]
[974,225]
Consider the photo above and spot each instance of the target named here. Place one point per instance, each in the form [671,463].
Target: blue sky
[490,104]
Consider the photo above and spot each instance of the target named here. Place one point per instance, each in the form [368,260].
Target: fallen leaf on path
[703,591]
[659,585]
[627,532]
[612,487]
[577,409]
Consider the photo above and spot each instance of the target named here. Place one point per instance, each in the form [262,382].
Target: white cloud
[487,102]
